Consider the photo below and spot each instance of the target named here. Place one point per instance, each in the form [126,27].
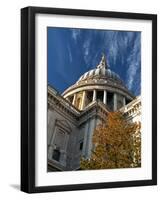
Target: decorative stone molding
[133,109]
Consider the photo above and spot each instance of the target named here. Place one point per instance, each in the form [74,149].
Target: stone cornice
[55,95]
[55,101]
[62,106]
[59,107]
[95,109]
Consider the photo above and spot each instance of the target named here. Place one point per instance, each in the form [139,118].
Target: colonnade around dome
[112,100]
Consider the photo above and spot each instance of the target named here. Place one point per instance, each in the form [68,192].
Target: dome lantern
[100,71]
[103,63]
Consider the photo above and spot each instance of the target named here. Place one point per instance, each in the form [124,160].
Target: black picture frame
[28,98]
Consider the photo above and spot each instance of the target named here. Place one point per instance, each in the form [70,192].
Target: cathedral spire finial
[103,63]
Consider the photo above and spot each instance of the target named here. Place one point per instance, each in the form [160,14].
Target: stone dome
[100,83]
[101,71]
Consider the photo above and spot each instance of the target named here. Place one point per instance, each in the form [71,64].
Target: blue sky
[72,52]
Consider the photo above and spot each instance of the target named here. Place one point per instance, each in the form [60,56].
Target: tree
[117,144]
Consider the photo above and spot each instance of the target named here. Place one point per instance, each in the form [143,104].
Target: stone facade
[70,131]
[73,116]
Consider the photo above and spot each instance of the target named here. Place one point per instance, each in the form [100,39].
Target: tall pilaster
[115,102]
[86,132]
[63,151]
[94,95]
[88,145]
[52,146]
[90,135]
[105,97]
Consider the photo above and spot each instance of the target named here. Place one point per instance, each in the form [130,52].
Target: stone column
[105,97]
[115,102]
[83,100]
[74,99]
[124,101]
[94,95]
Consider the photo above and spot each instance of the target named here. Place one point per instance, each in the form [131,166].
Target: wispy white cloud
[113,50]
[70,54]
[115,43]
[86,50]
[121,48]
[75,33]
[118,44]
[114,47]
[133,62]
[86,46]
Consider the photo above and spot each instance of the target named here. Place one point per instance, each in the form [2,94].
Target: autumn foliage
[117,144]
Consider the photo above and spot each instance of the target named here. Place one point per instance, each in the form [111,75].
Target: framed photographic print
[88,99]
